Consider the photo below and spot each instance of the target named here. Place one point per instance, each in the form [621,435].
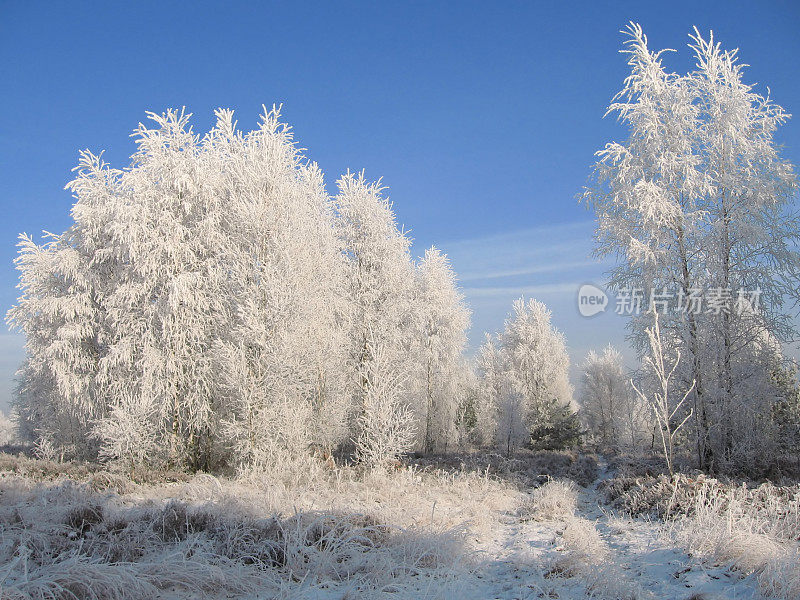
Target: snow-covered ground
[415,533]
[630,558]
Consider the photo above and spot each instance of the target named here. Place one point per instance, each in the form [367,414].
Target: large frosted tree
[281,359]
[443,320]
[697,201]
[379,292]
[751,233]
[196,289]
[211,304]
[646,195]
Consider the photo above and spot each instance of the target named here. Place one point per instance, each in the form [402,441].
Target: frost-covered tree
[195,288]
[611,411]
[525,375]
[786,411]
[8,430]
[512,431]
[491,387]
[603,384]
[165,294]
[282,357]
[665,409]
[212,304]
[750,238]
[698,199]
[646,195]
[536,359]
[443,320]
[379,290]
[468,421]
[386,424]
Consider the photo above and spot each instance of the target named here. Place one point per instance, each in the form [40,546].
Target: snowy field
[473,527]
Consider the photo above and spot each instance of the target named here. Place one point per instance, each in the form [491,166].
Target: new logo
[591,300]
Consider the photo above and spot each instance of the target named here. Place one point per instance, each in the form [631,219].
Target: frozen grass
[526,468]
[584,555]
[753,529]
[326,532]
[775,510]
[333,532]
[555,500]
[587,558]
[756,531]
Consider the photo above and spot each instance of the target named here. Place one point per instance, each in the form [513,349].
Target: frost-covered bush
[526,469]
[755,530]
[582,539]
[663,496]
[587,557]
[555,500]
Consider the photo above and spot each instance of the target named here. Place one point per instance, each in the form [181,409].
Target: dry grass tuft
[555,500]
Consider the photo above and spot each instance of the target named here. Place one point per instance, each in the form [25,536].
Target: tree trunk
[705,455]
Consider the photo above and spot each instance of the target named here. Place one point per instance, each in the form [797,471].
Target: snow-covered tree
[212,304]
[537,362]
[750,238]
[443,322]
[379,291]
[491,387]
[386,424]
[698,199]
[165,294]
[60,314]
[665,409]
[646,196]
[786,411]
[611,411]
[525,375]
[469,420]
[8,430]
[195,288]
[512,430]
[282,357]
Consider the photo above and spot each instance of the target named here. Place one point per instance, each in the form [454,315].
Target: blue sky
[482,118]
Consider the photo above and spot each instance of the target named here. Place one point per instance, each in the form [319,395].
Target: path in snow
[641,559]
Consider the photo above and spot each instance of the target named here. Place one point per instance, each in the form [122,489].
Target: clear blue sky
[482,118]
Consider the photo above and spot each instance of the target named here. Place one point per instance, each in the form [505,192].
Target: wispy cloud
[548,263]
[530,291]
[533,270]
[574,229]
[562,249]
